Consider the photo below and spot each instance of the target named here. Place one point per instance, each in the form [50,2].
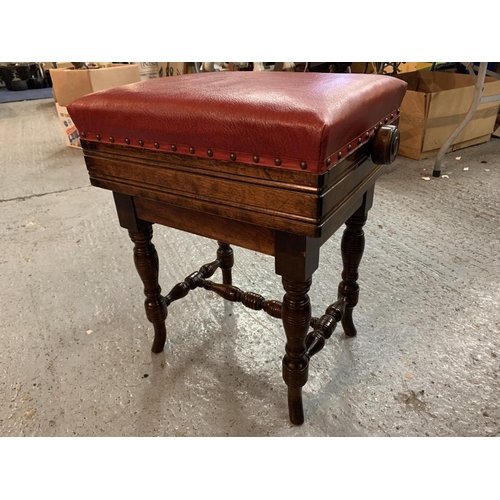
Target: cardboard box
[435,104]
[172,68]
[59,65]
[497,126]
[404,67]
[409,67]
[71,133]
[70,84]
[148,70]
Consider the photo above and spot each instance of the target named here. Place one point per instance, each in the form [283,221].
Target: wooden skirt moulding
[340,130]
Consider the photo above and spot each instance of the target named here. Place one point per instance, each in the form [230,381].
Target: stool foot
[352,246]
[295,406]
[348,323]
[160,337]
[296,316]
[225,253]
[146,263]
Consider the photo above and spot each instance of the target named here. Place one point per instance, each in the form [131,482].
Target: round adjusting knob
[385,145]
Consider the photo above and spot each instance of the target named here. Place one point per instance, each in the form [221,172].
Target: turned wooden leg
[146,263]
[296,259]
[225,253]
[296,316]
[352,247]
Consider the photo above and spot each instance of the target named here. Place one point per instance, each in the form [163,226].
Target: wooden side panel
[211,226]
[272,198]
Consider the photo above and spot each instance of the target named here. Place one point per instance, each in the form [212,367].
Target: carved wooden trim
[225,255]
[194,280]
[248,299]
[324,327]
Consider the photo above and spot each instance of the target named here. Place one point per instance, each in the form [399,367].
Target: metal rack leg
[473,107]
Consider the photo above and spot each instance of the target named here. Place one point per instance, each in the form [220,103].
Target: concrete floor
[75,343]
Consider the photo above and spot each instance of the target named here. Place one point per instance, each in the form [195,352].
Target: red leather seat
[287,120]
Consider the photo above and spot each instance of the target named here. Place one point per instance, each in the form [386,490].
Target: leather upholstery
[287,120]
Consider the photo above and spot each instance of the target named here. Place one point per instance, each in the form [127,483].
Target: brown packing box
[70,84]
[172,68]
[148,70]
[71,134]
[404,67]
[435,104]
[408,67]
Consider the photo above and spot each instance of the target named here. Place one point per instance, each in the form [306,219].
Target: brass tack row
[210,153]
[256,158]
[360,140]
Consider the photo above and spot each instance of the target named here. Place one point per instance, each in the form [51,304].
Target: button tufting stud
[83,134]
[386,120]
[380,123]
[340,155]
[349,147]
[359,140]
[156,145]
[127,141]
[174,147]
[191,150]
[232,156]
[328,162]
[398,111]
[367,135]
[277,162]
[111,139]
[256,159]
[210,152]
[141,143]
[303,165]
[98,137]
[392,116]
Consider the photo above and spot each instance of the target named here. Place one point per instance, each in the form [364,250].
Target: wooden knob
[385,145]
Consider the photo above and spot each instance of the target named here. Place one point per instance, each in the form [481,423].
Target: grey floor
[75,354]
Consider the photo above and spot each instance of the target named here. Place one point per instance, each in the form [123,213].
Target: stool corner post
[147,265]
